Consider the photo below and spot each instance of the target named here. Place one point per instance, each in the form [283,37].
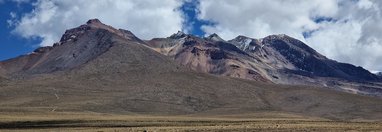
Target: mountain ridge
[276,59]
[106,72]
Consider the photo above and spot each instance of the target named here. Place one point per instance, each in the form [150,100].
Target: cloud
[261,18]
[344,30]
[356,38]
[146,18]
[12,20]
[21,1]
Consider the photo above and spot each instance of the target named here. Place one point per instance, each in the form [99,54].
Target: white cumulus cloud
[259,18]
[345,30]
[145,18]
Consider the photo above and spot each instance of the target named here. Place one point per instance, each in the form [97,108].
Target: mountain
[208,55]
[2,75]
[379,74]
[277,58]
[281,50]
[96,68]
[214,37]
[76,47]
[2,71]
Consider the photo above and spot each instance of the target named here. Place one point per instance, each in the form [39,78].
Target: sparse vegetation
[112,123]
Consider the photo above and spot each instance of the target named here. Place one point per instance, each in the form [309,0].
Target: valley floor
[56,121]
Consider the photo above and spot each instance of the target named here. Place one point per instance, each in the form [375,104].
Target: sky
[348,31]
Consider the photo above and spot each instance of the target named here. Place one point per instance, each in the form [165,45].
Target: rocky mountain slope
[207,55]
[97,68]
[277,58]
[76,47]
[281,50]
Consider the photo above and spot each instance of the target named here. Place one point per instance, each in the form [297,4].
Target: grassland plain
[261,121]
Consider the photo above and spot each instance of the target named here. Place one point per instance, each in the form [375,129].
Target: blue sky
[344,30]
[13,45]
[192,23]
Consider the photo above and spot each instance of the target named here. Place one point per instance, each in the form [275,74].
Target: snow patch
[246,43]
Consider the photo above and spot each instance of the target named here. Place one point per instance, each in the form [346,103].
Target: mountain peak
[93,21]
[242,42]
[178,35]
[214,37]
[241,37]
[74,33]
[278,36]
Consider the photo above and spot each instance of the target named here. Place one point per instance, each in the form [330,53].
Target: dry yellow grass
[69,121]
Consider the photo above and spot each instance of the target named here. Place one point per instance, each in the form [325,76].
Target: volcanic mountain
[277,58]
[97,68]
